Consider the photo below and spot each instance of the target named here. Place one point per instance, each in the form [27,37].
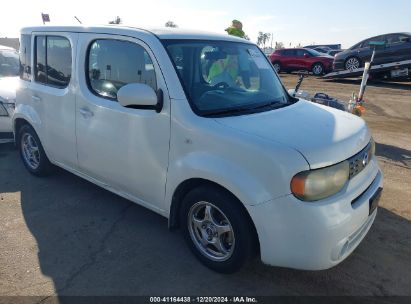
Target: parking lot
[62,235]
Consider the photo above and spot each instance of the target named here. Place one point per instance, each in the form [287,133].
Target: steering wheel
[221,85]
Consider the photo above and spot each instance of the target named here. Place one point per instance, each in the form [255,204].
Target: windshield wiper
[272,105]
[227,111]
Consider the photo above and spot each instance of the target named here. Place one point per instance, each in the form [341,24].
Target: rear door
[398,47]
[53,94]
[289,60]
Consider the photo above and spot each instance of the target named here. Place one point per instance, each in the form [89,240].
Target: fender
[29,114]
[219,170]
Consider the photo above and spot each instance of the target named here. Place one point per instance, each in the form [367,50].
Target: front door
[125,148]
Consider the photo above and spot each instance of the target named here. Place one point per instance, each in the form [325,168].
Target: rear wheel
[217,229]
[32,153]
[277,67]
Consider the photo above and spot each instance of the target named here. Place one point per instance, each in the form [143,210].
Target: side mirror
[140,96]
[405,39]
[306,55]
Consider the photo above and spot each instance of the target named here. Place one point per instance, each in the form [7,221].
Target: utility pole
[272,40]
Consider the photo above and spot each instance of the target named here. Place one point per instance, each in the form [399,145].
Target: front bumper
[338,65]
[317,235]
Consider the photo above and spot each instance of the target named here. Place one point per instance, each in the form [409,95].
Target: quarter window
[53,61]
[25,57]
[115,63]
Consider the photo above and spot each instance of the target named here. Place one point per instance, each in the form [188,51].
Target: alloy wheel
[317,69]
[211,231]
[30,151]
[277,67]
[352,64]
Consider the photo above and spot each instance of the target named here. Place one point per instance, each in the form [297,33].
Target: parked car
[9,70]
[331,46]
[322,49]
[199,128]
[289,60]
[334,52]
[397,48]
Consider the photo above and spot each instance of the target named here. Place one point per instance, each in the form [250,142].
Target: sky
[291,22]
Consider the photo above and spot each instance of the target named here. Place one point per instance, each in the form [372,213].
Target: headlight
[314,185]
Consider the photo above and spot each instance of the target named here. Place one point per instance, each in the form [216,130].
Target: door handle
[35,98]
[86,113]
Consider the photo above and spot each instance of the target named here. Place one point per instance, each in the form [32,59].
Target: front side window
[25,57]
[301,53]
[53,61]
[9,63]
[224,78]
[115,63]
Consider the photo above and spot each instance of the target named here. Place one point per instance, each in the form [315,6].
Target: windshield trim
[235,111]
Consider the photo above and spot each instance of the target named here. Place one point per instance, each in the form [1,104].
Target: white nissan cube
[199,128]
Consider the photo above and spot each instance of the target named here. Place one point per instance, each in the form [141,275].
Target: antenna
[78,20]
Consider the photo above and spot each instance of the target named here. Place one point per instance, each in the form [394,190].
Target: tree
[116,20]
[262,38]
[279,45]
[170,24]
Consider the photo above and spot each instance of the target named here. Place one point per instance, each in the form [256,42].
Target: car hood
[8,88]
[323,135]
[326,57]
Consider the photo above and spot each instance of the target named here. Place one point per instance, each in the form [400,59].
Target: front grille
[359,161]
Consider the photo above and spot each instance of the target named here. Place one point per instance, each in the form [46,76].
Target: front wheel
[32,153]
[217,229]
[352,63]
[317,69]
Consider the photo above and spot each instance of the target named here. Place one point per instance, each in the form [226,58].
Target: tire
[227,225]
[352,63]
[32,153]
[277,67]
[317,69]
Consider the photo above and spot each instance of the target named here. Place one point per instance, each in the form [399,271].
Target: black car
[397,48]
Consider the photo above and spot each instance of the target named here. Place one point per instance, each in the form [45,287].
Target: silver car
[9,70]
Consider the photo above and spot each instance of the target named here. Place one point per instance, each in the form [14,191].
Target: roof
[161,33]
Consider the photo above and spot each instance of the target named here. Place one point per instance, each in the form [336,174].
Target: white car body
[145,156]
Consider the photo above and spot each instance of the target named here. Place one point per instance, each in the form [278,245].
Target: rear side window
[25,57]
[397,38]
[40,57]
[53,61]
[115,63]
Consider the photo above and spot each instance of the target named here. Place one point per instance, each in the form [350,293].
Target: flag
[45,17]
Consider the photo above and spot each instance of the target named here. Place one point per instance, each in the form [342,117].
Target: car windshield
[222,78]
[9,63]
[314,52]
